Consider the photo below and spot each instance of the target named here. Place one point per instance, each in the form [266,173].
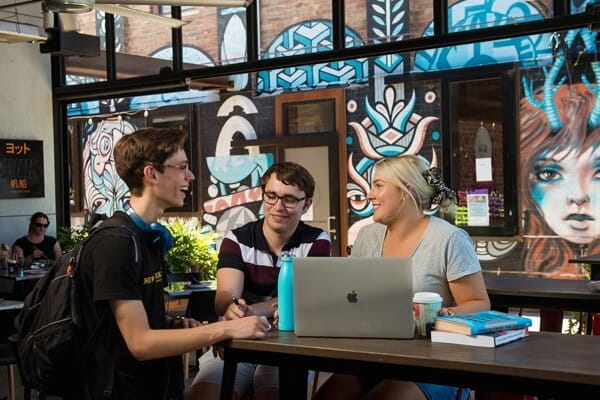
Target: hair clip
[433,177]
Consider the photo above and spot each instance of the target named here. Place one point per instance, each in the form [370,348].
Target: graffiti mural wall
[311,37]
[558,122]
[405,122]
[105,191]
[560,168]
[231,176]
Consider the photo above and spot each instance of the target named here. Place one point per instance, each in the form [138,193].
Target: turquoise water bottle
[285,293]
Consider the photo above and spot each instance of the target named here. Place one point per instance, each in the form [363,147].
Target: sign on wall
[21,168]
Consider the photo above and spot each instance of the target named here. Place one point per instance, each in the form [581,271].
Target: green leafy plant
[68,236]
[194,248]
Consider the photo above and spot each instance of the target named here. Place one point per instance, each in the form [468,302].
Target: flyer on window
[478,209]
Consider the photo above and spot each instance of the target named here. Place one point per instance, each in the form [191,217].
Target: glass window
[142,47]
[476,121]
[95,186]
[213,36]
[310,117]
[81,70]
[288,28]
[464,15]
[578,6]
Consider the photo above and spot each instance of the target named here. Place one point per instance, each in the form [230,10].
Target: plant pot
[196,268]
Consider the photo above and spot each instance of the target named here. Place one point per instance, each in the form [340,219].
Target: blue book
[493,339]
[481,322]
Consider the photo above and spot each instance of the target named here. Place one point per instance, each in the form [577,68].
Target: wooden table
[206,286]
[10,305]
[551,294]
[543,364]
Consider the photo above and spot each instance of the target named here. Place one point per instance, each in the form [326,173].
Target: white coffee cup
[426,306]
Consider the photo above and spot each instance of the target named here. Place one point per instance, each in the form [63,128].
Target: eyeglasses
[288,201]
[37,224]
[182,167]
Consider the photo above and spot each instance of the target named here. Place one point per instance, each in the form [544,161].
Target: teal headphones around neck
[157,233]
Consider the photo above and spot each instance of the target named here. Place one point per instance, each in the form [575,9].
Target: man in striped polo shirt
[248,267]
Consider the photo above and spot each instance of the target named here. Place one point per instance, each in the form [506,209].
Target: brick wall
[276,16]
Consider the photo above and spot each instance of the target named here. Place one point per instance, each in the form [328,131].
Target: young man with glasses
[123,274]
[248,268]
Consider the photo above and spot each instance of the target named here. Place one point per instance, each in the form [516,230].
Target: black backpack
[51,343]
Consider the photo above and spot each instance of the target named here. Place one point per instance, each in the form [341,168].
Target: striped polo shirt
[246,249]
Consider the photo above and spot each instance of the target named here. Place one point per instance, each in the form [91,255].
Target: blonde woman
[405,192]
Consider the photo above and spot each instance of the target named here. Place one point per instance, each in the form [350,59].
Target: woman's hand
[446,311]
[37,253]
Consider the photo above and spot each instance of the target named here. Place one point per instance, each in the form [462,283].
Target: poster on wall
[21,168]
[478,210]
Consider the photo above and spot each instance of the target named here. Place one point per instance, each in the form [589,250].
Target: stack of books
[484,329]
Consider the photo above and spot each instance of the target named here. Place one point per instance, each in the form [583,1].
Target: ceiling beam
[563,23]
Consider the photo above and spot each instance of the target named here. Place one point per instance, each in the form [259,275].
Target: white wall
[26,113]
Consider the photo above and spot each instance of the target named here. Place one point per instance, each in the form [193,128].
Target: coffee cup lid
[427,297]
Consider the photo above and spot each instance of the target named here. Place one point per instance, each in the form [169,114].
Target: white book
[493,339]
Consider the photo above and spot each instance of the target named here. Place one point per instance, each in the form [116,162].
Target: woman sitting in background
[36,245]
[403,191]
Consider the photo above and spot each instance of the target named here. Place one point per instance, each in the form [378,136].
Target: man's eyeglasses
[288,201]
[37,224]
[182,167]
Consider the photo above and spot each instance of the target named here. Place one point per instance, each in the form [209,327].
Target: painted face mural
[560,171]
[105,191]
[234,179]
[565,186]
[391,127]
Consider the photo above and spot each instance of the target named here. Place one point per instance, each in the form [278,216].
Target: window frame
[508,75]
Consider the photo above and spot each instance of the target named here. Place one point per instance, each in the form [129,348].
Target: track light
[133,13]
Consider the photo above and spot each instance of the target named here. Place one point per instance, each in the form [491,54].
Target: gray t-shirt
[444,254]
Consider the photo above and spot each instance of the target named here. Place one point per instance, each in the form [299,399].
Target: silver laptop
[353,297]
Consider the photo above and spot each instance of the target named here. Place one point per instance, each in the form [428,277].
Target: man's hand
[252,327]
[276,316]
[237,311]
[182,323]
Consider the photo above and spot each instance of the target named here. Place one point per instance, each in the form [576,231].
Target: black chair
[9,359]
[14,351]
[201,306]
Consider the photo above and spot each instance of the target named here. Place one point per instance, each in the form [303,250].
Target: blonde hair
[406,172]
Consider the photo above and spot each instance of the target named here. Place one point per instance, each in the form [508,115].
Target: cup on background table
[426,306]
[12,266]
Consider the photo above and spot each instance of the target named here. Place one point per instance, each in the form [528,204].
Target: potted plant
[194,249]
[68,236]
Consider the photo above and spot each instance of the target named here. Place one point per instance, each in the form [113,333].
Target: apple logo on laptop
[352,297]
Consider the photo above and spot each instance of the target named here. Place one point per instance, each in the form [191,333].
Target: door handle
[332,232]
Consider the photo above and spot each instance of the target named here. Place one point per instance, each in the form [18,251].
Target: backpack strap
[110,353]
